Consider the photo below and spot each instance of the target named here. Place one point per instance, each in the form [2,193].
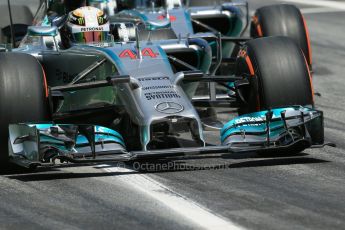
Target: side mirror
[43,31]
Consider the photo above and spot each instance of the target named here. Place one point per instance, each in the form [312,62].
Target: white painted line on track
[323,3]
[199,215]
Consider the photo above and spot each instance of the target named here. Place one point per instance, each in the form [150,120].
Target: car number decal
[146,52]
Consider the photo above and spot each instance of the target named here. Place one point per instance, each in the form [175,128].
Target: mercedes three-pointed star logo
[169,107]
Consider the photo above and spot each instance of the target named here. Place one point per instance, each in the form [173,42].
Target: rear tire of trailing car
[23,94]
[282,20]
[278,74]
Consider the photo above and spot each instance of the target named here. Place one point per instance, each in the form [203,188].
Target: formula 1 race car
[123,100]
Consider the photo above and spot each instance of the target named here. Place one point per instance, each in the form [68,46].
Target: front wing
[283,130]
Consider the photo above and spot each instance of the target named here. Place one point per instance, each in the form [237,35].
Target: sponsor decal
[146,52]
[169,107]
[88,29]
[64,77]
[100,20]
[81,21]
[162,95]
[158,87]
[153,78]
[242,120]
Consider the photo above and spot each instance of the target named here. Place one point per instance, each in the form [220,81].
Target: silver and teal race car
[126,99]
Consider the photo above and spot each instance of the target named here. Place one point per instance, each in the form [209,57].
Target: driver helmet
[87,25]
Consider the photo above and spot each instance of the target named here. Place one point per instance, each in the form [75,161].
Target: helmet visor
[90,37]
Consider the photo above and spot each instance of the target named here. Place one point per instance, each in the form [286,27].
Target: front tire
[23,94]
[282,20]
[277,72]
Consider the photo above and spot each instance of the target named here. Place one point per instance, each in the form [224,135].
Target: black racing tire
[282,20]
[278,74]
[23,94]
